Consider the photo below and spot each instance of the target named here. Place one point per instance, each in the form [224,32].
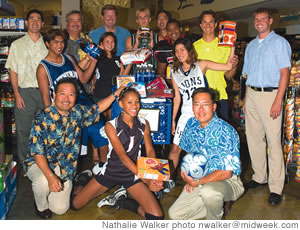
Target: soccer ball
[195,165]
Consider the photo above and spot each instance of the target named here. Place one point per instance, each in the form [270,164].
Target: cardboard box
[158,83]
[9,192]
[161,93]
[153,168]
[124,80]
[139,87]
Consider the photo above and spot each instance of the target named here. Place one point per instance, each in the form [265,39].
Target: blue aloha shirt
[57,137]
[218,142]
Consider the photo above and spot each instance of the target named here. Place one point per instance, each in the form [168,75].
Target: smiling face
[108,44]
[181,53]
[74,23]
[65,98]
[56,45]
[173,31]
[208,24]
[109,18]
[130,104]
[203,108]
[162,20]
[262,24]
[34,23]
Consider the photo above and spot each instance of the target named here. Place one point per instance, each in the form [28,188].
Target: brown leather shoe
[46,214]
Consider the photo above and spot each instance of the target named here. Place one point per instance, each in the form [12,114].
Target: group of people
[52,78]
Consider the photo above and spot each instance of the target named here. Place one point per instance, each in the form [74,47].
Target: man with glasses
[218,142]
[267,66]
[24,57]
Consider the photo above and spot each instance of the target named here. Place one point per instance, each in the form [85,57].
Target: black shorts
[111,182]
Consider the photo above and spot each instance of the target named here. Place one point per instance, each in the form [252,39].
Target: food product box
[135,56]
[160,93]
[12,23]
[140,87]
[20,24]
[158,83]
[227,33]
[5,23]
[124,80]
[153,168]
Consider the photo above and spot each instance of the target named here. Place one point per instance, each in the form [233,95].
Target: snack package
[160,93]
[20,24]
[158,83]
[12,23]
[227,33]
[124,80]
[153,168]
[140,87]
[135,56]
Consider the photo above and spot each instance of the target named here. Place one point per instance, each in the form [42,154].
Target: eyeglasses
[204,105]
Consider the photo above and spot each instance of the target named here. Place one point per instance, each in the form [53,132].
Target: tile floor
[253,205]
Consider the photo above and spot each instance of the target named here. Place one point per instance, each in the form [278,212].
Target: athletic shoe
[83,178]
[110,200]
[170,186]
[159,195]
[96,169]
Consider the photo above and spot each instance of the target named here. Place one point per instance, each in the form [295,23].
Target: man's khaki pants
[57,202]
[206,201]
[263,131]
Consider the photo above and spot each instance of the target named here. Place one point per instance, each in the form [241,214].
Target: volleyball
[195,165]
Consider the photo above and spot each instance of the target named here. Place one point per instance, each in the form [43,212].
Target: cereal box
[227,33]
[124,80]
[153,168]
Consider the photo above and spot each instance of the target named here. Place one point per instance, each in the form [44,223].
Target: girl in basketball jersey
[188,75]
[125,133]
[108,66]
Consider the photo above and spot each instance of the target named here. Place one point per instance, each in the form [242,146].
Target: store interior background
[254,203]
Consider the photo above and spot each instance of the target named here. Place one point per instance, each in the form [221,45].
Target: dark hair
[127,90]
[208,12]
[263,10]
[67,80]
[169,15]
[103,53]
[74,12]
[52,33]
[32,12]
[173,21]
[210,91]
[192,55]
[108,7]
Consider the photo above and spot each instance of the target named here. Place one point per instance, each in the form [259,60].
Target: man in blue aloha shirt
[214,138]
[54,146]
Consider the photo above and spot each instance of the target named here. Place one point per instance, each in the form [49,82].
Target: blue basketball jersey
[56,71]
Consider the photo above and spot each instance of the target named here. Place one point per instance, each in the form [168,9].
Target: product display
[291,130]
